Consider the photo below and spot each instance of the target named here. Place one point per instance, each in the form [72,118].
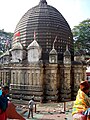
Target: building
[42,60]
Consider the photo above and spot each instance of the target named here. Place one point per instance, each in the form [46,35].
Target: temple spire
[66,47]
[54,41]
[43,2]
[34,35]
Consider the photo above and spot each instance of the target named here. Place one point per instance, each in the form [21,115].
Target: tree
[81,36]
[5,40]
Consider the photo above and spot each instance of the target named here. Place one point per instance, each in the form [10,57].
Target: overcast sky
[11,11]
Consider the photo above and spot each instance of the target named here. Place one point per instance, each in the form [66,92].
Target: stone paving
[52,111]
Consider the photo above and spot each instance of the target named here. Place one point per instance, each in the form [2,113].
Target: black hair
[32,98]
[84,89]
[5,87]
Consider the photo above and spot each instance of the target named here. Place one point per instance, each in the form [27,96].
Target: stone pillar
[51,81]
[78,77]
[84,72]
[41,76]
[66,83]
[19,78]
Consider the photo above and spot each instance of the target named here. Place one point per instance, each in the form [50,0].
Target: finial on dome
[67,52]
[66,47]
[34,35]
[43,2]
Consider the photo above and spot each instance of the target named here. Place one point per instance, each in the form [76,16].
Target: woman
[82,102]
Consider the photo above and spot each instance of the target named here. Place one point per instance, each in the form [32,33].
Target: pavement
[49,111]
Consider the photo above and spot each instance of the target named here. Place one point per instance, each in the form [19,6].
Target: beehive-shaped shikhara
[47,22]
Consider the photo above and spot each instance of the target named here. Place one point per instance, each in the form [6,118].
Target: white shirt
[31,103]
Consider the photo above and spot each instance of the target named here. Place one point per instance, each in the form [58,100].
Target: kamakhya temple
[42,62]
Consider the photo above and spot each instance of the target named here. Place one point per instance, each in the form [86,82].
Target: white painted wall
[17,55]
[33,55]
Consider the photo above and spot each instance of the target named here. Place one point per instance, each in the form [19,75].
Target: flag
[7,42]
[17,34]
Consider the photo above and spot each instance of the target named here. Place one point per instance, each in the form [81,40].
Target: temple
[40,63]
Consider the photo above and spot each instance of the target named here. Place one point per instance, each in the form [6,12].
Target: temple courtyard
[48,111]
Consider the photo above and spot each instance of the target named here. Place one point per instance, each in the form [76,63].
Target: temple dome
[48,22]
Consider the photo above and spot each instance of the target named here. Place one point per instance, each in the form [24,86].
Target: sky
[11,11]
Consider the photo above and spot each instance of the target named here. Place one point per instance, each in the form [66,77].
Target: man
[31,103]
[8,107]
[4,102]
[5,90]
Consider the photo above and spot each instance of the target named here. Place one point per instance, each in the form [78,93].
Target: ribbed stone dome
[48,23]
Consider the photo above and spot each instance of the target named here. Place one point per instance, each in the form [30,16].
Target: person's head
[84,86]
[32,98]
[5,90]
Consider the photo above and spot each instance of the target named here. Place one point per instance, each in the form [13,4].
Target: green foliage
[5,40]
[1,52]
[10,34]
[81,34]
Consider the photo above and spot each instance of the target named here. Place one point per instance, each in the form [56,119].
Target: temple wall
[50,82]
[66,83]
[5,75]
[27,81]
[79,75]
[51,90]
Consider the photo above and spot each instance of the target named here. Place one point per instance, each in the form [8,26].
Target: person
[31,103]
[82,103]
[12,113]
[7,107]
[4,102]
